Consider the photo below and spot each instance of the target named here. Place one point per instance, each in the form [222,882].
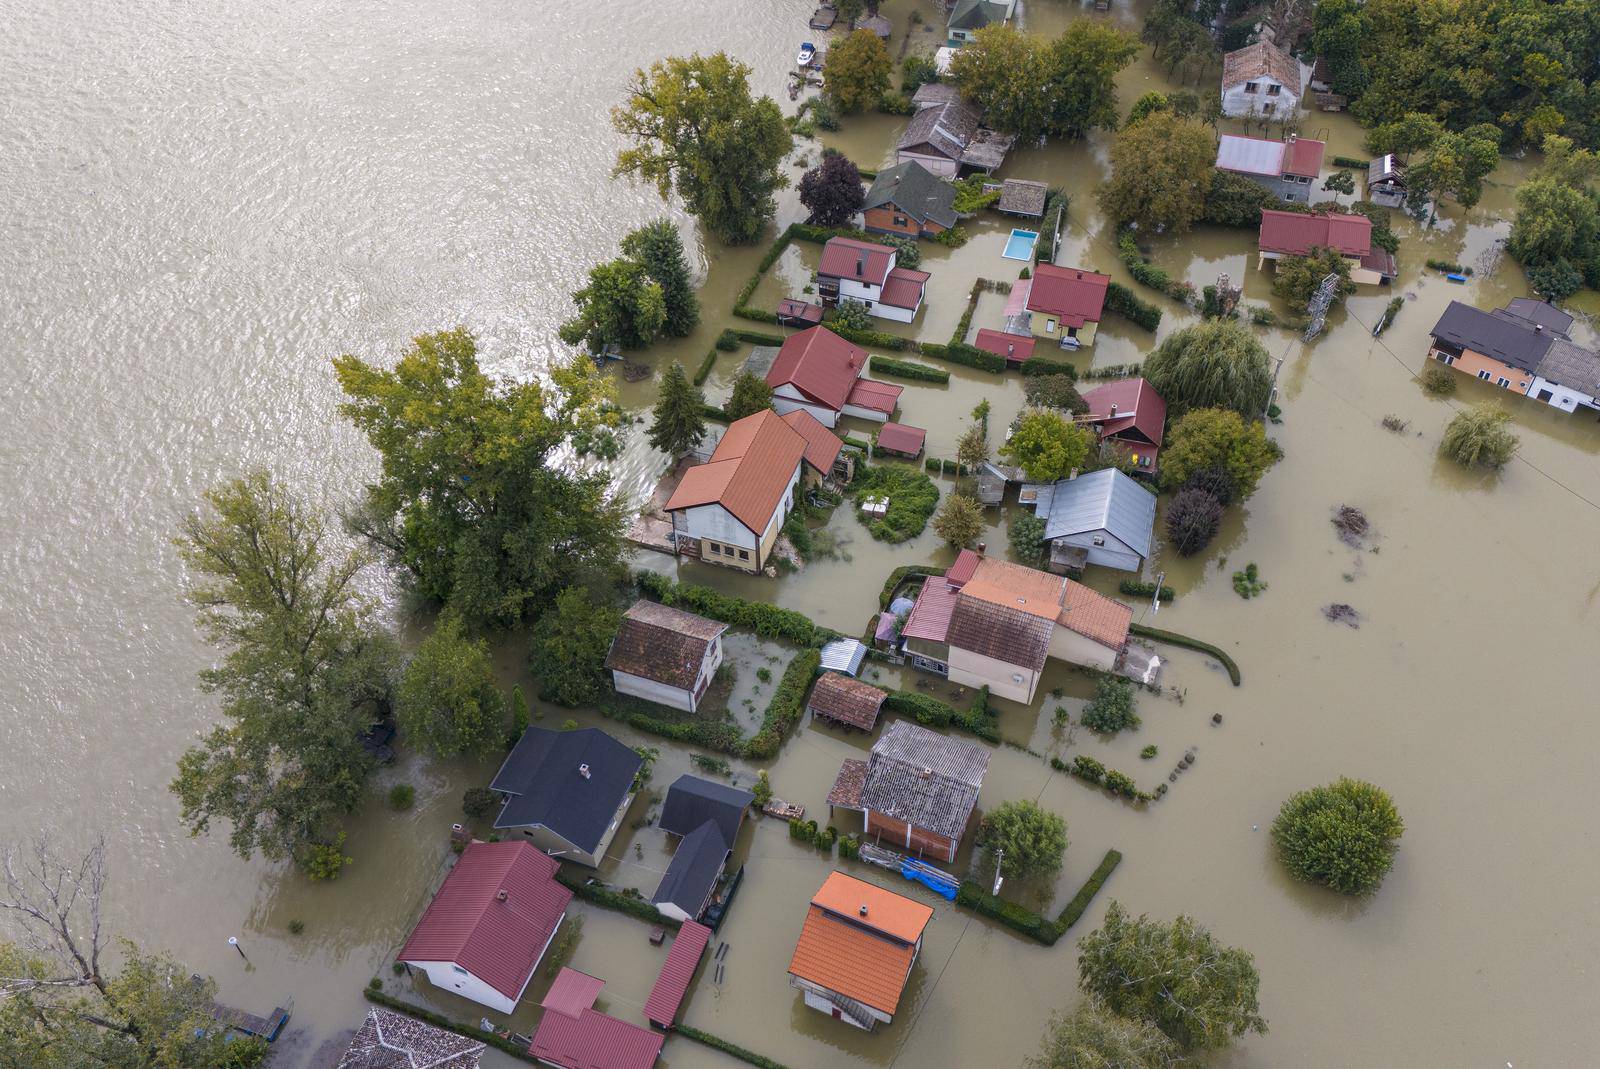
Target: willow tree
[697,130]
[1214,364]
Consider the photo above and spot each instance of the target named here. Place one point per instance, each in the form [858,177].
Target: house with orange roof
[856,950]
[818,372]
[730,509]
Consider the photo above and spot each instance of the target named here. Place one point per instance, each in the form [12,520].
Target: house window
[1274,90]
[1050,326]
[901,220]
[744,554]
[459,969]
[1099,540]
[1251,87]
[1502,382]
[1484,375]
[1445,357]
[715,549]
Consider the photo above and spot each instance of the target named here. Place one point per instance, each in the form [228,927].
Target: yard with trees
[448,702]
[832,191]
[1046,445]
[857,71]
[1028,839]
[1218,439]
[678,421]
[1556,232]
[1034,87]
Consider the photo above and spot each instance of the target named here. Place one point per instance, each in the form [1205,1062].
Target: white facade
[448,976]
[1264,97]
[787,398]
[939,166]
[855,289]
[1067,645]
[716,523]
[1563,397]
[1005,680]
[840,1008]
[1104,549]
[685,698]
[866,413]
[724,539]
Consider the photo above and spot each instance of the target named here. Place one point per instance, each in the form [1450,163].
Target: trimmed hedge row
[1136,589]
[906,369]
[472,1032]
[760,315]
[1035,366]
[1353,164]
[966,355]
[1091,887]
[974,897]
[719,414]
[931,712]
[898,575]
[641,715]
[732,1050]
[940,466]
[765,620]
[632,905]
[876,339]
[1176,639]
[756,337]
[788,705]
[704,371]
[1121,300]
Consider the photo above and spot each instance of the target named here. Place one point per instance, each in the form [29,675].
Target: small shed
[1018,196]
[796,313]
[844,655]
[901,440]
[1014,347]
[1386,183]
[877,24]
[688,947]
[691,877]
[845,701]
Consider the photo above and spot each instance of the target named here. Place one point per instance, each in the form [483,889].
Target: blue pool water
[1020,245]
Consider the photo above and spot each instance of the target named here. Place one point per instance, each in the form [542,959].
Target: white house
[819,373]
[1261,81]
[665,655]
[730,509]
[488,926]
[867,272]
[856,950]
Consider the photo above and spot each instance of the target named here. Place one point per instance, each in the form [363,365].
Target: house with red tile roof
[1287,168]
[1014,347]
[864,271]
[856,950]
[1064,304]
[1131,415]
[901,440]
[730,509]
[572,1034]
[489,924]
[665,655]
[1297,233]
[818,372]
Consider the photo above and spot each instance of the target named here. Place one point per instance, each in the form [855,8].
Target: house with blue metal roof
[1104,517]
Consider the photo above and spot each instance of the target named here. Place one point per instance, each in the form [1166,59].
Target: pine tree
[659,247]
[751,394]
[680,419]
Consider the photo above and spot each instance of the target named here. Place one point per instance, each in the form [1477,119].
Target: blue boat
[1453,277]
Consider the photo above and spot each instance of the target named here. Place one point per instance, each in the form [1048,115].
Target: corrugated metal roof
[874,395]
[1250,155]
[844,655]
[1104,500]
[822,445]
[868,261]
[572,993]
[930,616]
[683,957]
[1296,233]
[903,288]
[1014,347]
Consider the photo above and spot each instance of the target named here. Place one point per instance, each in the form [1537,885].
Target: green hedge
[788,705]
[1136,589]
[959,335]
[760,315]
[1035,366]
[756,337]
[973,896]
[931,712]
[860,443]
[765,620]
[732,1050]
[1091,887]
[876,339]
[704,371]
[719,414]
[940,466]
[1121,300]
[966,355]
[898,575]
[1176,639]
[721,736]
[632,905]
[472,1032]
[1353,164]
[906,369]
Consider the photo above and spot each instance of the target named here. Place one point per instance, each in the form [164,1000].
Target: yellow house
[1064,304]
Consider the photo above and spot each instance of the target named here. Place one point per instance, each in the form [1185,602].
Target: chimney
[583,770]
[981,547]
[863,909]
[1073,474]
[500,895]
[1538,328]
[1113,408]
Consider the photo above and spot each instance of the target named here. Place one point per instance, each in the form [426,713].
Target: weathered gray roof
[930,93]
[389,1040]
[693,870]
[1022,197]
[915,190]
[945,129]
[1507,338]
[999,631]
[976,14]
[1384,169]
[1569,364]
[987,149]
[1101,500]
[923,778]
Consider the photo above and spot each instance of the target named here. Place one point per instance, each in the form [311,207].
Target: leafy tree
[305,670]
[1007,73]
[679,418]
[851,315]
[959,520]
[1092,1037]
[62,1007]
[917,71]
[1479,436]
[1554,280]
[1028,839]
[1083,89]
[448,702]
[479,802]
[1217,482]
[1296,278]
[569,647]
[1112,708]
[1201,993]
[1192,520]
[1343,835]
[1567,164]
[1215,364]
[1145,105]
[1207,438]
[1234,200]
[832,190]
[972,448]
[849,10]
[751,394]
[696,129]
[1411,133]
[1557,226]
[619,306]
[1456,164]
[1340,182]
[469,500]
[1161,172]
[857,71]
[658,247]
[1336,35]
[1054,391]
[1046,446]
[1025,536]
[1179,32]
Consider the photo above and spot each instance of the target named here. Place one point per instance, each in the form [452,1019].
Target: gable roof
[819,364]
[1569,364]
[1140,411]
[853,258]
[1535,311]
[748,472]
[931,93]
[850,700]
[691,801]
[822,445]
[900,438]
[1296,233]
[1022,197]
[896,916]
[499,941]
[1509,339]
[1016,587]
[930,615]
[672,983]
[693,870]
[572,992]
[1104,500]
[659,642]
[944,128]
[854,962]
[1250,155]
[589,1039]
[903,288]
[1262,59]
[976,14]
[1095,616]
[1303,156]
[1000,632]
[389,1040]
[874,395]
[928,780]
[1385,168]
[1072,294]
[914,190]
[543,774]
[964,568]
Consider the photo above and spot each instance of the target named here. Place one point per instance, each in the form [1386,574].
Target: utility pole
[1317,307]
[233,941]
[1155,599]
[999,858]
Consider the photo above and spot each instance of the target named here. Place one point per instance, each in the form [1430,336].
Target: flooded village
[997,575]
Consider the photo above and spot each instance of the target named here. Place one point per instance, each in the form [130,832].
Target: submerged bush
[1112,708]
[1192,520]
[1478,437]
[1343,835]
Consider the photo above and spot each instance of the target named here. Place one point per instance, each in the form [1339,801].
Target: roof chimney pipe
[863,909]
[583,770]
[1538,328]
[1113,408]
[861,264]
[500,895]
[982,546]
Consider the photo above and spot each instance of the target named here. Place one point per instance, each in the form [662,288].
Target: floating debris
[1340,613]
[1352,525]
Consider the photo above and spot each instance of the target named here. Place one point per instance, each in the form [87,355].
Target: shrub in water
[1192,520]
[1343,835]
[1111,708]
[401,796]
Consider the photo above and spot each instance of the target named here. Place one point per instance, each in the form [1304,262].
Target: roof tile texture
[1074,295]
[819,364]
[659,642]
[1296,233]
[1258,60]
[847,700]
[748,472]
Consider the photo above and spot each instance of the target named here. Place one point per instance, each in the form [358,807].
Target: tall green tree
[832,191]
[1205,442]
[1343,835]
[959,520]
[1161,170]
[1296,278]
[1456,164]
[1215,364]
[568,652]
[1092,1037]
[1083,88]
[448,702]
[658,248]
[1046,445]
[1405,136]
[697,130]
[750,395]
[470,499]
[1556,233]
[857,71]
[1337,31]
[619,306]
[1201,993]
[679,419]
[1007,73]
[304,672]
[1027,839]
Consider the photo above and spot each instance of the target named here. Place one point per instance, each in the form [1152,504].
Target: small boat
[784,810]
[1456,277]
[807,52]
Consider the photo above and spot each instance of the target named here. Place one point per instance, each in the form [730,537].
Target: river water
[202,203]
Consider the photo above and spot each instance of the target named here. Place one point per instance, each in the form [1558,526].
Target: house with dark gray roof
[1104,517]
[967,17]
[691,801]
[908,200]
[691,878]
[1524,347]
[567,791]
[918,790]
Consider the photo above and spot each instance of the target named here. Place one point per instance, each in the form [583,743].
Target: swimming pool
[1019,246]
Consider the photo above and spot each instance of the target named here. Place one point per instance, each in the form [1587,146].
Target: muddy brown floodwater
[203,204]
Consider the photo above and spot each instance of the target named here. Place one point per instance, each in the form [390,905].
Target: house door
[838,1014]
